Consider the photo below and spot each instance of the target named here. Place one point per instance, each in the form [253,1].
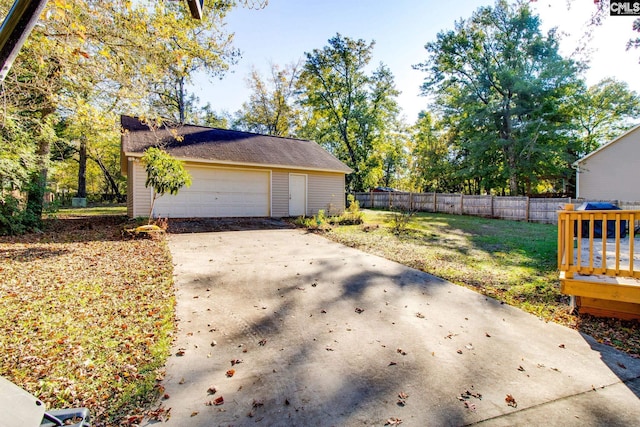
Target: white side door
[297,194]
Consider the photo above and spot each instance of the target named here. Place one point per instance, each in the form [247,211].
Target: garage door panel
[218,192]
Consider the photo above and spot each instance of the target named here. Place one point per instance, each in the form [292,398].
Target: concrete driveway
[319,334]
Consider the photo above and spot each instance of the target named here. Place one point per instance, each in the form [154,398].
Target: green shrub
[12,216]
[352,216]
[316,222]
[400,220]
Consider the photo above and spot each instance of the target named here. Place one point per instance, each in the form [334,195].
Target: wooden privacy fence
[543,210]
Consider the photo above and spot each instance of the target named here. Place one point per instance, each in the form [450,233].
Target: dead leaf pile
[86,316]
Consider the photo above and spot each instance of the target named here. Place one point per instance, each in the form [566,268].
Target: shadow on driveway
[317,333]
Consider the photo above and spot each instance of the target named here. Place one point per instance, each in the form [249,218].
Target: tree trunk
[82,169]
[112,182]
[181,102]
[37,186]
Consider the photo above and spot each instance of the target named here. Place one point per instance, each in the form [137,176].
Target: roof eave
[606,145]
[259,165]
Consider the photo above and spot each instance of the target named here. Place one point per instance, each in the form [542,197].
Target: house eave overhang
[576,164]
[132,155]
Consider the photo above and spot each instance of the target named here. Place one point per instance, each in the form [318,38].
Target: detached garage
[234,174]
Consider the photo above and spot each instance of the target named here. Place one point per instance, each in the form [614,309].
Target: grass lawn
[91,211]
[86,316]
[512,261]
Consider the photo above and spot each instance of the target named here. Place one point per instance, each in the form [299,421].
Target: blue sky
[285,29]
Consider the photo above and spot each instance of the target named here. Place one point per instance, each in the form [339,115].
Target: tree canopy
[272,106]
[88,60]
[348,109]
[498,81]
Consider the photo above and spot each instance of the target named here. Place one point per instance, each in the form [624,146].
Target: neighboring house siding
[325,191]
[279,194]
[612,173]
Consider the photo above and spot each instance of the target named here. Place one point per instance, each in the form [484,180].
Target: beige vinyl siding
[325,191]
[130,175]
[279,194]
[142,200]
[612,173]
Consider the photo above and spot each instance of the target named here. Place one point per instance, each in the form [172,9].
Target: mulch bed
[201,225]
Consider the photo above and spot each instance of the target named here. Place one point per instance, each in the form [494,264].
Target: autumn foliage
[86,316]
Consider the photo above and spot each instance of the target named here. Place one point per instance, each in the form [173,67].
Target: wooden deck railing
[600,270]
[581,252]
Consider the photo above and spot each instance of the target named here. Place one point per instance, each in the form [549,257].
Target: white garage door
[218,192]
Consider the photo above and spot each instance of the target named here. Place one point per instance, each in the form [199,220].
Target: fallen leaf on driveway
[473,394]
[230,373]
[402,398]
[511,401]
[212,390]
[262,342]
[194,413]
[359,310]
[181,352]
[470,406]
[393,421]
[392,363]
[420,315]
[401,351]
[235,361]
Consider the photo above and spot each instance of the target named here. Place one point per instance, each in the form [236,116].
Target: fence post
[493,215]
[411,201]
[435,202]
[461,204]
[526,210]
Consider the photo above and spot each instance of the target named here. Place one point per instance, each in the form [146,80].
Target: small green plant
[400,220]
[316,222]
[320,218]
[165,174]
[352,215]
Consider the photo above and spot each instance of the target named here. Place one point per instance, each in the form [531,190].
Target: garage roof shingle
[228,146]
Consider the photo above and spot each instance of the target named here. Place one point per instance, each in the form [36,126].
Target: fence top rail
[599,214]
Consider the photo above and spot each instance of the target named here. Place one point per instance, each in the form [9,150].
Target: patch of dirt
[202,225]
